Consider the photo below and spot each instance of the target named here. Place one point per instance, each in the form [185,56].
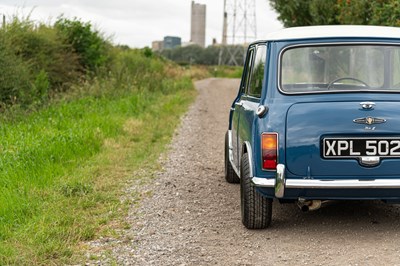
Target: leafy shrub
[38,49]
[56,58]
[86,42]
[37,60]
[147,52]
[15,77]
[41,86]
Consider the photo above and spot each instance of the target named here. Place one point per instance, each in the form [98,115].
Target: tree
[385,13]
[293,13]
[323,12]
[327,12]
[355,12]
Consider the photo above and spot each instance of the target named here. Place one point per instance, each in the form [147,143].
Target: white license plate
[361,147]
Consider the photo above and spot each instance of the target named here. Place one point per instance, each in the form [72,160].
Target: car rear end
[338,135]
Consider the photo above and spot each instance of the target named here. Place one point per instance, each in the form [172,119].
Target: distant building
[171,42]
[198,24]
[157,46]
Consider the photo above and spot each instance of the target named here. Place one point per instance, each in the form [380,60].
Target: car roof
[342,31]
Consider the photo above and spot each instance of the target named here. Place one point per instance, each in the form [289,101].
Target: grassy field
[61,168]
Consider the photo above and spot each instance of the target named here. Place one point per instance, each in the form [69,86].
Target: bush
[56,58]
[86,42]
[38,60]
[41,86]
[14,79]
[36,52]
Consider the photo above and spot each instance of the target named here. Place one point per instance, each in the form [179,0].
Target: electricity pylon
[239,28]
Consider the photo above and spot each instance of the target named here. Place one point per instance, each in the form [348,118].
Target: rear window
[340,68]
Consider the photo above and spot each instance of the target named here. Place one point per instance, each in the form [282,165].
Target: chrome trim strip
[345,184]
[280,181]
[250,154]
[329,184]
[230,145]
[328,44]
[231,153]
[369,120]
[263,182]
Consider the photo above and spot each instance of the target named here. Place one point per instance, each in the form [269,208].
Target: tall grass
[63,166]
[226,71]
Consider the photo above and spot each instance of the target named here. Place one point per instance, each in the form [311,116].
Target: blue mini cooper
[316,118]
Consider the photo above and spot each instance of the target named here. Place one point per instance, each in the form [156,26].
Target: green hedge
[38,60]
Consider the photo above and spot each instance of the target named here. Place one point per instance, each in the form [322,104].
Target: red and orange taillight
[269,147]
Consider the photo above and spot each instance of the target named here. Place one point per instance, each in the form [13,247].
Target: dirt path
[193,216]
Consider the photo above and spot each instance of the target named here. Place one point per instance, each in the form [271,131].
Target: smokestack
[225,27]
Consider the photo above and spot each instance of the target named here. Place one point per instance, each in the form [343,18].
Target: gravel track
[193,216]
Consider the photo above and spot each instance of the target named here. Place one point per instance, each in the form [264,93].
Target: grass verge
[63,168]
[197,72]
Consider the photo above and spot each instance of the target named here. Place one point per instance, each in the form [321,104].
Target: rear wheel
[256,209]
[230,174]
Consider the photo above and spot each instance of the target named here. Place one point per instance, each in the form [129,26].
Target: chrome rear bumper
[280,183]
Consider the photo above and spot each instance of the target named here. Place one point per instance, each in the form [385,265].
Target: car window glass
[246,76]
[257,72]
[396,69]
[343,67]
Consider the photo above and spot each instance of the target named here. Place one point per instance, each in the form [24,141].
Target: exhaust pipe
[309,205]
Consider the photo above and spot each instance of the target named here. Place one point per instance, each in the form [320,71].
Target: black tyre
[230,174]
[256,209]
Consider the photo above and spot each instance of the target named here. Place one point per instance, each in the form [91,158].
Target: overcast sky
[139,22]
